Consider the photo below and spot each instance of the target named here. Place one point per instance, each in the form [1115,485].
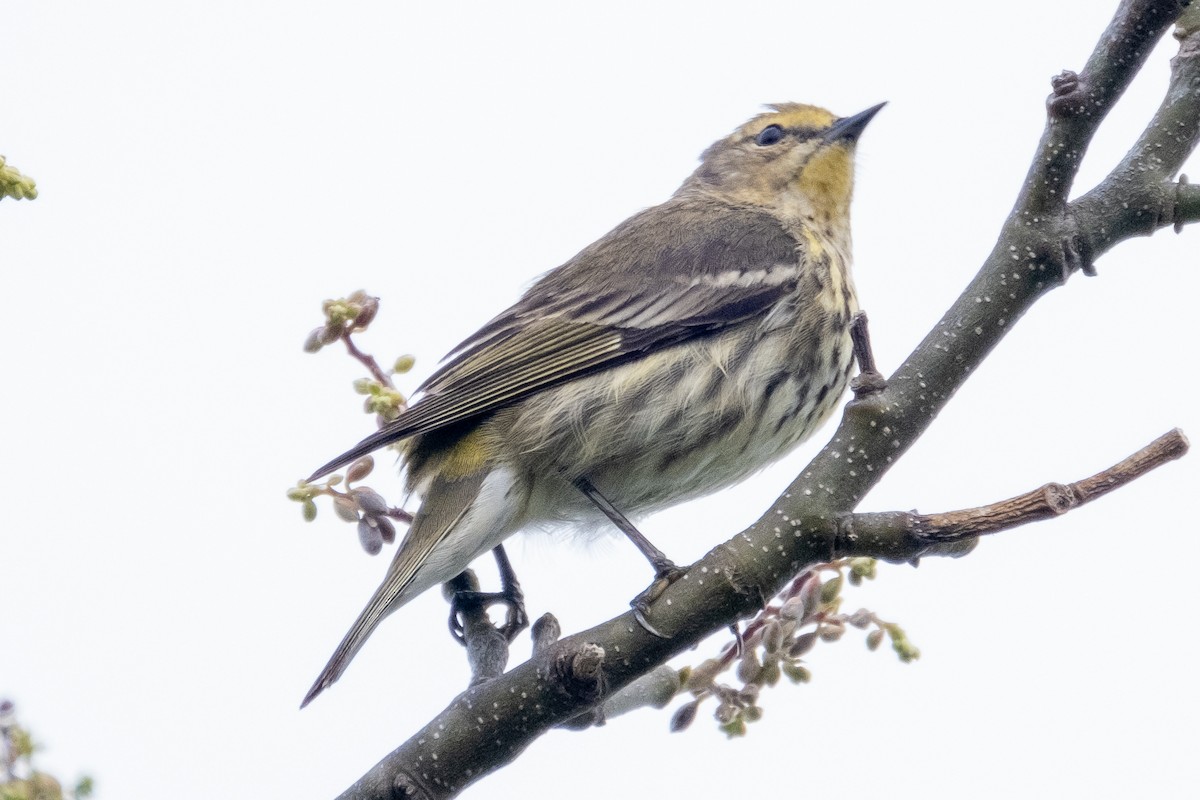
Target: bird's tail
[413,571]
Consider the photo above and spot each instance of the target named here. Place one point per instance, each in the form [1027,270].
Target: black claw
[639,613]
[667,573]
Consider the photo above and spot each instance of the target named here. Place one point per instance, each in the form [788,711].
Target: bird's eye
[769,136]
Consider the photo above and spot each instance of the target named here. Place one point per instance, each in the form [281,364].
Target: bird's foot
[466,603]
[665,573]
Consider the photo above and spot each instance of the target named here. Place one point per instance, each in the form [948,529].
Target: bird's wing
[665,276]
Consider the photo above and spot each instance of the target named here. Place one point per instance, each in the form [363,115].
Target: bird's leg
[515,620]
[869,380]
[665,570]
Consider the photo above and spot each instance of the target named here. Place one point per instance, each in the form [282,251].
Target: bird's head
[796,161]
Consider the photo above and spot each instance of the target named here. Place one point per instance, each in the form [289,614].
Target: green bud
[735,728]
[797,673]
[906,651]
[752,713]
[309,510]
[300,492]
[900,643]
[366,386]
[874,638]
[403,364]
[831,590]
[863,567]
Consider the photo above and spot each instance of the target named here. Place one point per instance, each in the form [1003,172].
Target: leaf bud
[331,333]
[684,716]
[313,342]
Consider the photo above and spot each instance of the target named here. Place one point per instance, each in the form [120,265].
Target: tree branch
[1081,102]
[1041,243]
[908,534]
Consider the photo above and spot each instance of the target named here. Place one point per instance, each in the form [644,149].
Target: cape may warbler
[698,341]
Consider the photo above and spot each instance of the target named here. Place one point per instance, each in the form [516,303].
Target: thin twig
[367,361]
[909,530]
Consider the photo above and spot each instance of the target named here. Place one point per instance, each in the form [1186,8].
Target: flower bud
[386,529]
[370,501]
[369,537]
[804,642]
[860,619]
[831,632]
[360,469]
[345,508]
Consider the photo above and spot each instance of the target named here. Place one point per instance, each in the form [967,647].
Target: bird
[698,341]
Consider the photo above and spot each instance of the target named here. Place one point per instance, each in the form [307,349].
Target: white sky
[210,172]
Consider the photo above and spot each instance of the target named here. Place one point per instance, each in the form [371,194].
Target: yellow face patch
[829,176]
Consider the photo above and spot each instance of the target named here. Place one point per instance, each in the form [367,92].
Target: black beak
[850,128]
